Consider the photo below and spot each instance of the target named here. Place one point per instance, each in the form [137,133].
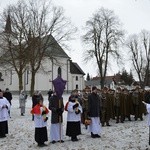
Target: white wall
[44,77]
[74,82]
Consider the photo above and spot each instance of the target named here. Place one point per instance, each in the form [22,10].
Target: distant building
[110,81]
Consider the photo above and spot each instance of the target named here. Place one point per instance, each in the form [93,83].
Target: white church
[61,64]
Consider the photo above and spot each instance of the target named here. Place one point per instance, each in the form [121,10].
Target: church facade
[60,64]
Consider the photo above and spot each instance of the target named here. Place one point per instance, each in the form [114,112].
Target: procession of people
[94,108]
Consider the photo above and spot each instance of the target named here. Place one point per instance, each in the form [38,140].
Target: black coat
[94,105]
[8,96]
[56,117]
[50,92]
[35,99]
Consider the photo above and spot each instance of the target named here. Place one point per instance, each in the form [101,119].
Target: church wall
[44,77]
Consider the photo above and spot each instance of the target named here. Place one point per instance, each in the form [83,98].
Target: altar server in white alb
[74,110]
[40,119]
[4,115]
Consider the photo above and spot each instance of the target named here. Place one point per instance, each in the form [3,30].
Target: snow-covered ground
[130,135]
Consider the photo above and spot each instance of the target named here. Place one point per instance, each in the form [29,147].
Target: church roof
[54,49]
[49,42]
[75,68]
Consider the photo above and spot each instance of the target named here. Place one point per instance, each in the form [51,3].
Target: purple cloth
[59,86]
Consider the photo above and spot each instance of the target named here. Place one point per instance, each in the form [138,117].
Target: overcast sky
[134,15]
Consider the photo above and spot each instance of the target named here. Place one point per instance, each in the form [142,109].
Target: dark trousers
[137,113]
[105,117]
[3,128]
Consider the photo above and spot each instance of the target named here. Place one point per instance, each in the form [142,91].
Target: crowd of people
[119,104]
[93,108]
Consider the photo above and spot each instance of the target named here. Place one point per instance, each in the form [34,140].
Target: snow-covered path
[130,135]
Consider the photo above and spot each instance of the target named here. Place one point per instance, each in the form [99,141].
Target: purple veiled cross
[59,86]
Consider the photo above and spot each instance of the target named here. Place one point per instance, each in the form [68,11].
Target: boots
[22,114]
[92,135]
[129,118]
[95,135]
[74,138]
[107,124]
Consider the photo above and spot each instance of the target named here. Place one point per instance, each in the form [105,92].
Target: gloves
[43,112]
[75,106]
[45,119]
[59,111]
[78,111]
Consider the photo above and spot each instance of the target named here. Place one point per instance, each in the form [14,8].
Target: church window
[59,71]
[76,78]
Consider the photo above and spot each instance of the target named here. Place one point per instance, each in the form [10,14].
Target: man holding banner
[57,107]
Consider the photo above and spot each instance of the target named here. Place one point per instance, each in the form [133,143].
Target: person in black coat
[35,99]
[50,92]
[147,96]
[7,94]
[94,104]
[56,106]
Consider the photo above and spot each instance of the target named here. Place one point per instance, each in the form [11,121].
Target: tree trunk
[20,82]
[32,83]
[102,82]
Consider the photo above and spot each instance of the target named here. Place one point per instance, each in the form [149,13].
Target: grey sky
[134,15]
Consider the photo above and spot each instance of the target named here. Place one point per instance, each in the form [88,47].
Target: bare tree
[146,44]
[139,48]
[13,48]
[37,24]
[45,22]
[103,36]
